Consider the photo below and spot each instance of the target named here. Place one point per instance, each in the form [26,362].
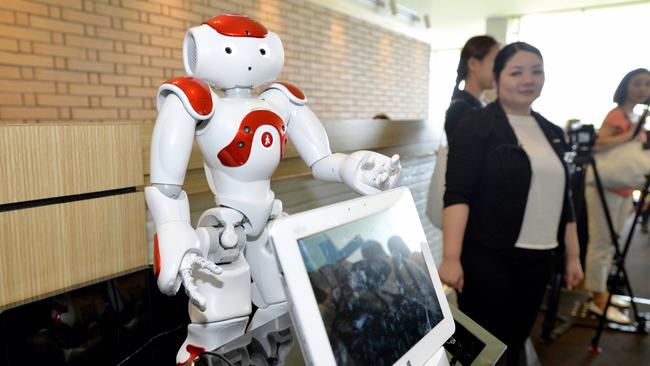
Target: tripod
[618,278]
[618,275]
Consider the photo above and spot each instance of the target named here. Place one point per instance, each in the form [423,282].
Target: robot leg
[228,306]
[271,332]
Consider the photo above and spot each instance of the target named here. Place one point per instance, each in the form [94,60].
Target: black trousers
[503,292]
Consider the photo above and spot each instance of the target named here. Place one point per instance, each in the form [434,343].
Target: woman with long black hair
[473,77]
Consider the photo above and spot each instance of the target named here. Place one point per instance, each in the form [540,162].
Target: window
[586,54]
[442,78]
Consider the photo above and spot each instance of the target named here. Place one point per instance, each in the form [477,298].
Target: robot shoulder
[291,91]
[194,93]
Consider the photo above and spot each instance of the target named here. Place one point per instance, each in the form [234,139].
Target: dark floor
[618,348]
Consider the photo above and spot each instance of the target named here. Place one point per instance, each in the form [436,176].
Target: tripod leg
[640,326]
[595,349]
[640,322]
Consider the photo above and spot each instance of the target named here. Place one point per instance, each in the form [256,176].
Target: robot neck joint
[238,92]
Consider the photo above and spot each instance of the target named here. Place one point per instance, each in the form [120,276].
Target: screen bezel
[284,234]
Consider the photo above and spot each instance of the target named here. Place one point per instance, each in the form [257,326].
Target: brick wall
[103,60]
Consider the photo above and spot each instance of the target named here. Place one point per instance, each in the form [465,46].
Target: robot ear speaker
[190,52]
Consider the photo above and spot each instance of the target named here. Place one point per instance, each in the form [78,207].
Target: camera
[582,138]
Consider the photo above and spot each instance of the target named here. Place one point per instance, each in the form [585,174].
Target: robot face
[228,61]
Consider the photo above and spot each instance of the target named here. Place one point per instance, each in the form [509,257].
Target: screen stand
[439,359]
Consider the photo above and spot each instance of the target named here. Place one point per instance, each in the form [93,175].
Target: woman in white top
[507,205]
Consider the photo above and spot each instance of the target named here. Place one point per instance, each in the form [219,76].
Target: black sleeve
[458,109]
[466,153]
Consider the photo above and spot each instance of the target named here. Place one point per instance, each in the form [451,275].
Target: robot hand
[193,262]
[368,172]
[229,235]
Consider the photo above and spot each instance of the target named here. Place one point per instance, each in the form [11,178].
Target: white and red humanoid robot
[242,139]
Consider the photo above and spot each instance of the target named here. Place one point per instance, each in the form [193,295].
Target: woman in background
[473,77]
[475,70]
[507,205]
[617,128]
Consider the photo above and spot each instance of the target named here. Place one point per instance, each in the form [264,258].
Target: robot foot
[264,315]
[274,340]
[207,337]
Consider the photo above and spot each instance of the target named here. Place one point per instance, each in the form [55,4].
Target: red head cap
[234,25]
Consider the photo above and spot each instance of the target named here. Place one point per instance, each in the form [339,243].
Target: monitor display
[372,287]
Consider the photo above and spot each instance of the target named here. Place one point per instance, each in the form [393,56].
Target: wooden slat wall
[292,183]
[42,161]
[48,247]
[54,248]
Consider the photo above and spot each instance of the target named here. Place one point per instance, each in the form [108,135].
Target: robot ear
[190,53]
[276,48]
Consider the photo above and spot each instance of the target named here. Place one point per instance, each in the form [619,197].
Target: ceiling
[452,22]
[488,8]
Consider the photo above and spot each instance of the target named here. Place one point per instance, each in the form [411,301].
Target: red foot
[595,350]
[194,352]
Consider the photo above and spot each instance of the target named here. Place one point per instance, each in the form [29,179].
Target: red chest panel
[239,149]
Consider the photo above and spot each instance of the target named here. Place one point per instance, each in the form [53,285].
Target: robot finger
[191,290]
[383,179]
[207,266]
[394,164]
[369,163]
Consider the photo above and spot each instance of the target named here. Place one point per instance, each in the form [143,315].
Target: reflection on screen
[372,287]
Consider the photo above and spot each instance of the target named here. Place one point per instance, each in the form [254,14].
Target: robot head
[230,51]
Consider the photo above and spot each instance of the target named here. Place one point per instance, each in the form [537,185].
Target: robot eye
[228,50]
[264,50]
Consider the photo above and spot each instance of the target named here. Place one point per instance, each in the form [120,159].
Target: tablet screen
[373,288]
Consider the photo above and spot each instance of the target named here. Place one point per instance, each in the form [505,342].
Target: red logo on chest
[267,139]
[239,149]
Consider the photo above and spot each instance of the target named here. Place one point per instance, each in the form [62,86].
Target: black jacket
[490,172]
[462,104]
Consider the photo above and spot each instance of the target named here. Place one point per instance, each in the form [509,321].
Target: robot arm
[366,172]
[177,248]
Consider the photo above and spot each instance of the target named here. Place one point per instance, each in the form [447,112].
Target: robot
[227,262]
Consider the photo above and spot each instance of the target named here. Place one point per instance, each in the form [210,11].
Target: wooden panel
[54,248]
[42,161]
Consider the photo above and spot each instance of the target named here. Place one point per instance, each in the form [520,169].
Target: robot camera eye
[262,51]
[228,50]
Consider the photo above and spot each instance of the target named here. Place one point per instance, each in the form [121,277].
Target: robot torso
[242,144]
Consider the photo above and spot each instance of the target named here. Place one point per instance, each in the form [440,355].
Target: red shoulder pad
[197,93]
[234,25]
[291,91]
